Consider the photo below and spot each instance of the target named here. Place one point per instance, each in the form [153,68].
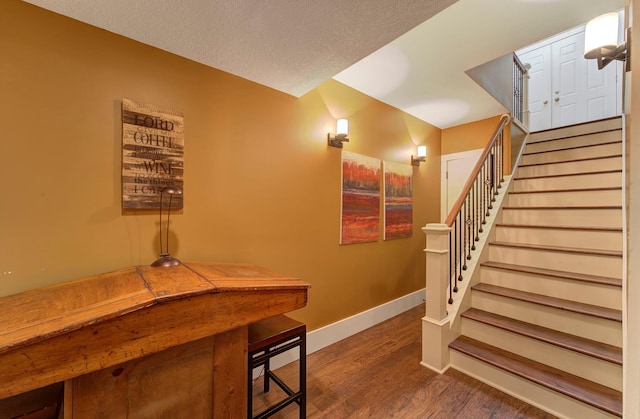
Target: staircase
[545,322]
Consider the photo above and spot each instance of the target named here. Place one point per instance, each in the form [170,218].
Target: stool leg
[303,375]
[250,389]
[266,373]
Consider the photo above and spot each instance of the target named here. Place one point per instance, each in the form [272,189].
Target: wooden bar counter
[142,342]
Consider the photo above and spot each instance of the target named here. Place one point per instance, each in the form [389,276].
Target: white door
[540,106]
[604,92]
[458,171]
[566,89]
[568,81]
[456,168]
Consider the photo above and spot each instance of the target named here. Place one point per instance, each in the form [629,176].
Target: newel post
[435,323]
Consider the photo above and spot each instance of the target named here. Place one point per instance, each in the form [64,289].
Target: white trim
[439,323]
[626,347]
[332,333]
[437,251]
[442,371]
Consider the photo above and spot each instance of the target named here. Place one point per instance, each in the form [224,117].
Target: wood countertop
[55,333]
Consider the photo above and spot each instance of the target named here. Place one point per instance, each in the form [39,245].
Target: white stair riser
[587,367]
[561,261]
[578,153]
[611,163]
[589,327]
[583,239]
[567,142]
[564,217]
[594,180]
[583,292]
[566,199]
[536,395]
[607,125]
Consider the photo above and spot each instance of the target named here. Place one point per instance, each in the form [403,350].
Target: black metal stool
[271,337]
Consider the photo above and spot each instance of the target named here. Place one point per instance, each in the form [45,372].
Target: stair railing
[519,90]
[469,214]
[450,247]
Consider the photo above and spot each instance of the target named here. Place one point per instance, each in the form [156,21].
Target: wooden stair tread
[574,343]
[585,123]
[608,188]
[549,227]
[574,136]
[615,282]
[553,302]
[595,172]
[593,394]
[577,250]
[531,153]
[608,156]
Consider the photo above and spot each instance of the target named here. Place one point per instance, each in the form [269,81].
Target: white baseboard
[332,333]
[439,372]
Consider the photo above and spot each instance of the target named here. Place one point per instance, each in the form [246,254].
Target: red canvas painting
[398,201]
[360,220]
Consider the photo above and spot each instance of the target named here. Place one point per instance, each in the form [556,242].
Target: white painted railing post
[435,323]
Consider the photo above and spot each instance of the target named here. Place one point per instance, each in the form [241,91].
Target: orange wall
[471,136]
[261,186]
[475,135]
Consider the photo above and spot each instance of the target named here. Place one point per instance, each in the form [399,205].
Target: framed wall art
[360,209]
[398,201]
[152,155]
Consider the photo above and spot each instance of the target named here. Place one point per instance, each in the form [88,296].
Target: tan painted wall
[475,135]
[261,186]
[469,136]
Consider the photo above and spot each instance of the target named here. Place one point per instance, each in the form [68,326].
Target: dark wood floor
[376,374]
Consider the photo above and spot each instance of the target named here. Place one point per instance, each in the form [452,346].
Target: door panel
[568,81]
[539,87]
[602,95]
[455,170]
[458,172]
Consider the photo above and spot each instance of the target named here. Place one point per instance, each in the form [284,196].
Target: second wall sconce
[422,156]
[601,41]
[342,131]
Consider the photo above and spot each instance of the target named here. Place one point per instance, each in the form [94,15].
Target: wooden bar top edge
[35,315]
[229,277]
[34,318]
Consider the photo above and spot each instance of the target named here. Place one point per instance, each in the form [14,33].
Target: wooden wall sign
[152,155]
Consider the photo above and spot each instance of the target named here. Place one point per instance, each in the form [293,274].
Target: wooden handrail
[519,64]
[504,119]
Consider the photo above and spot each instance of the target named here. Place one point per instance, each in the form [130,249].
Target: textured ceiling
[290,45]
[411,54]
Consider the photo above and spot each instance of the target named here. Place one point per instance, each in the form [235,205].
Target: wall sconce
[601,41]
[422,156]
[342,130]
[165,259]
